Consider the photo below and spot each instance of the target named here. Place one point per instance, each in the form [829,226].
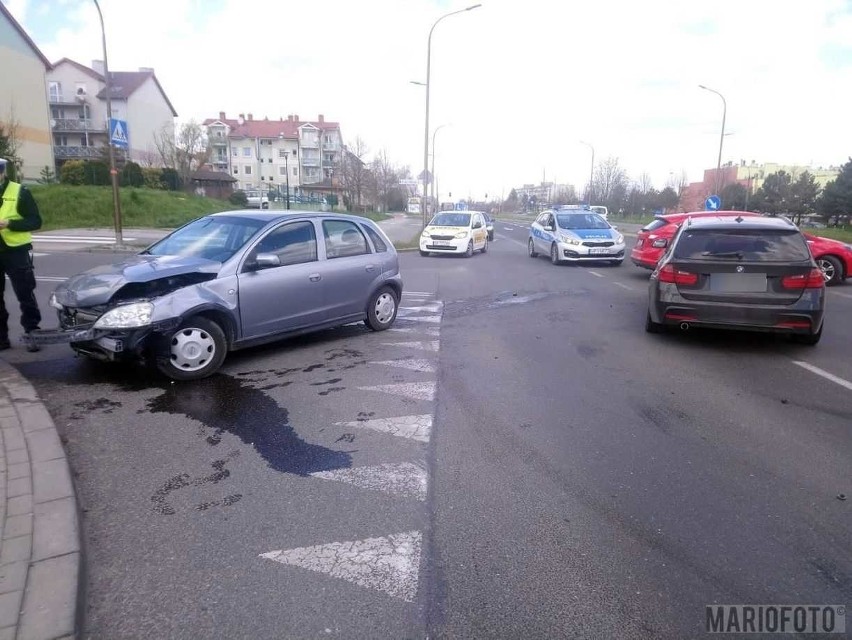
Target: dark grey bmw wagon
[732,272]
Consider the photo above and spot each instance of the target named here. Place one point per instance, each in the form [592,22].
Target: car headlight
[127,316]
[569,239]
[619,239]
[53,302]
[425,233]
[461,234]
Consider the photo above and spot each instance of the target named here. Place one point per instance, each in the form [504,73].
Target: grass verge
[409,245]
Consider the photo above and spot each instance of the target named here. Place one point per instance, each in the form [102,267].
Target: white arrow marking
[413,427]
[432,319]
[404,479]
[424,366]
[390,564]
[416,390]
[429,345]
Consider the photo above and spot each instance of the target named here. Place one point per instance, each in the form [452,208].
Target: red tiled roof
[24,35]
[267,128]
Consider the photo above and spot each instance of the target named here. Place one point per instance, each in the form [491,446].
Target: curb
[41,549]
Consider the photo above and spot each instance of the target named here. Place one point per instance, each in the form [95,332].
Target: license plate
[596,251]
[738,282]
[442,243]
[640,243]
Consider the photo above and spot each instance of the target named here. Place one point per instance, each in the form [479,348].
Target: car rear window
[656,224]
[776,245]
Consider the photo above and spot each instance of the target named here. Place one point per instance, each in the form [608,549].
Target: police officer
[18,217]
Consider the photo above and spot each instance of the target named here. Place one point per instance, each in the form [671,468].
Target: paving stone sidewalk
[40,551]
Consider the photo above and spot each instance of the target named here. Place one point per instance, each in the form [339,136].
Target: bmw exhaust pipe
[684,326]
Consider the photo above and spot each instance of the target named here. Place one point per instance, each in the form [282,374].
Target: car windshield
[742,244]
[656,224]
[451,220]
[213,237]
[581,221]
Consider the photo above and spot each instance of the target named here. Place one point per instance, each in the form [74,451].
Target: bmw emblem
[740,269]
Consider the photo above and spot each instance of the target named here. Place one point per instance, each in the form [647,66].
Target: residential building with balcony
[270,154]
[78,112]
[23,107]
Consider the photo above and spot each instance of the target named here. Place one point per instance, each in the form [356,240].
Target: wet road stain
[223,404]
[105,405]
[363,416]
[332,381]
[334,354]
[313,367]
[183,480]
[329,390]
[588,351]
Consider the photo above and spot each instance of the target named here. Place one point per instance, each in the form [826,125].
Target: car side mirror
[263,261]
[614,227]
[477,225]
[548,228]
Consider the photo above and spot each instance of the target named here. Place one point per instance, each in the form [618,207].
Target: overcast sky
[518,82]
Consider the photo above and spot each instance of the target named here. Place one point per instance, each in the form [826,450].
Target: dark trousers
[18,265]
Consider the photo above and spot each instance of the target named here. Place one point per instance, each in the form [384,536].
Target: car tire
[531,247]
[425,254]
[194,351]
[554,254]
[381,309]
[491,236]
[832,270]
[469,252]
[616,263]
[651,326]
[809,339]
[485,247]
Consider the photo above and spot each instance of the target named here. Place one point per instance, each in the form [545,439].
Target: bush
[73,172]
[131,175]
[152,177]
[238,198]
[96,173]
[331,199]
[171,179]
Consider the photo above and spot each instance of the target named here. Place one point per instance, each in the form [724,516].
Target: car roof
[270,216]
[740,222]
[677,217]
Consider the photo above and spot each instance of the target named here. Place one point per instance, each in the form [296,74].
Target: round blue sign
[713,203]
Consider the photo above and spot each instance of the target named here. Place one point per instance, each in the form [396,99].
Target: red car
[832,256]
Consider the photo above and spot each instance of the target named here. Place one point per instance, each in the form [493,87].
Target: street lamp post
[286,170]
[426,127]
[591,171]
[722,136]
[434,133]
[116,202]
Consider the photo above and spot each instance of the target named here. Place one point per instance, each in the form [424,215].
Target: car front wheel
[469,252]
[194,351]
[554,254]
[381,309]
[531,247]
[832,270]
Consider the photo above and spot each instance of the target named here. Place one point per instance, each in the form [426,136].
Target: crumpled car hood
[97,286]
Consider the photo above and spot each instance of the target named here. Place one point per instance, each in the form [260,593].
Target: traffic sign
[118,133]
[713,203]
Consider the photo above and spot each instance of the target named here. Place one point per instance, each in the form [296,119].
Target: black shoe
[32,347]
[5,344]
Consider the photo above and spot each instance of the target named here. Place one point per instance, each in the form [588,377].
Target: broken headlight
[127,316]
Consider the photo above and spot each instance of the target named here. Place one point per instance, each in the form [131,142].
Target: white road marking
[412,427]
[402,479]
[78,239]
[416,390]
[842,295]
[418,293]
[623,286]
[423,366]
[36,254]
[390,564]
[508,228]
[595,273]
[429,331]
[523,244]
[428,345]
[825,374]
[411,311]
[51,279]
[432,319]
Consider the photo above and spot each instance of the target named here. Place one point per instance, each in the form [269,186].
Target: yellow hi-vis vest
[9,211]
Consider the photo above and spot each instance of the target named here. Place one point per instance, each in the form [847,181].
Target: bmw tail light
[675,276]
[659,243]
[812,280]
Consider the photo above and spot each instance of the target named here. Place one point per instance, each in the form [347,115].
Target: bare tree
[185,151]
[678,182]
[610,179]
[386,179]
[644,182]
[10,144]
[356,174]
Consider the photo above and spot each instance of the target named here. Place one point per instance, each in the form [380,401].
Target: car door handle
[315,277]
[370,267]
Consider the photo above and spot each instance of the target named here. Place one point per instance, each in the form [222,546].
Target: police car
[575,235]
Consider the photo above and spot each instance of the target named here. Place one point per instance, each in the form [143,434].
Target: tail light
[674,276]
[812,280]
[659,243]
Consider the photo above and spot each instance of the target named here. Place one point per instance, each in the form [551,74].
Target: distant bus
[413,205]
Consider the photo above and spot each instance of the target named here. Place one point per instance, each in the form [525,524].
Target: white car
[257,200]
[455,232]
[575,235]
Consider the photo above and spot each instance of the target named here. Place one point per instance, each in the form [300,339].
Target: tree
[668,199]
[131,175]
[512,202]
[733,196]
[803,196]
[73,172]
[238,198]
[386,180]
[48,176]
[836,198]
[644,183]
[184,151]
[9,146]
[678,182]
[773,195]
[96,173]
[356,174]
[610,184]
[171,179]
[564,195]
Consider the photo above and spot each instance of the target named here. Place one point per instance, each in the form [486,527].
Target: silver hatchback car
[228,281]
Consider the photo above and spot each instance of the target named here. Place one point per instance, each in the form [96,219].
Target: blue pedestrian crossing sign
[118,133]
[713,203]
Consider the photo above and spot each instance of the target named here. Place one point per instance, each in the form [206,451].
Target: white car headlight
[53,302]
[127,316]
[461,234]
[425,233]
[569,239]
[619,239]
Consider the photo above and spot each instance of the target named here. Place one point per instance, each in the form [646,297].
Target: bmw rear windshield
[761,245]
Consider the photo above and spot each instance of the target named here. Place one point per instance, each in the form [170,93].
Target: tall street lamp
[286,169]
[426,127]
[116,202]
[721,137]
[433,159]
[591,171]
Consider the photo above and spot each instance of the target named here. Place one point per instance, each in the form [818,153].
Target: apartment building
[23,106]
[273,154]
[78,111]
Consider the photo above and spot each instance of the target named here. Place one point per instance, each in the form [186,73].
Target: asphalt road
[519,460]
